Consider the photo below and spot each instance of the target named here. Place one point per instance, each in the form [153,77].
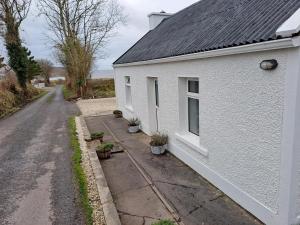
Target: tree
[12,14]
[33,68]
[80,28]
[46,67]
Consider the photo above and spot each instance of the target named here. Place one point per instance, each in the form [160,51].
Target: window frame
[192,95]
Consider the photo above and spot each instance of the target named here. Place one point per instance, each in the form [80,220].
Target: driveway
[36,181]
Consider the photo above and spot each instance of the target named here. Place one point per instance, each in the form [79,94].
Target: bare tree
[46,67]
[81,29]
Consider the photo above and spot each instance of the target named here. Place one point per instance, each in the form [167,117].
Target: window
[128,92]
[156,93]
[193,106]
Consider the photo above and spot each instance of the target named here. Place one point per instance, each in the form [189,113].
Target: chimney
[156,18]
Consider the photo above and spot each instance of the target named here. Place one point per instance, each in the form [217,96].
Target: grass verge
[79,172]
[68,94]
[12,110]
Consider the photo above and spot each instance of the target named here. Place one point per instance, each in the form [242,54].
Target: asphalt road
[36,181]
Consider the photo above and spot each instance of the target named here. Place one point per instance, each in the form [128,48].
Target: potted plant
[104,150]
[118,114]
[97,136]
[159,143]
[133,125]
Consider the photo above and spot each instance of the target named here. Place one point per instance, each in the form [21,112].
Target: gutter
[263,46]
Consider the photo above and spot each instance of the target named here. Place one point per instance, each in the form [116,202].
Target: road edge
[109,209]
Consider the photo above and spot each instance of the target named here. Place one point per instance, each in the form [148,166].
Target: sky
[35,33]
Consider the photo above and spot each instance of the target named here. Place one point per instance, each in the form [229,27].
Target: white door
[153,103]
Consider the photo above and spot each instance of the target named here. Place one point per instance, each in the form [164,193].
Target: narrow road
[36,181]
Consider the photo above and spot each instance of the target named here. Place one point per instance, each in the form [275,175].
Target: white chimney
[156,18]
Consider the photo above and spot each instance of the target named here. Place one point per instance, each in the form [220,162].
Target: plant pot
[101,140]
[104,155]
[158,150]
[133,129]
[118,115]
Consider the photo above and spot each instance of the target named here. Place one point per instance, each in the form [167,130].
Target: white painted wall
[241,121]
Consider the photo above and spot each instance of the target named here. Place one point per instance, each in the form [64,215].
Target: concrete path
[36,182]
[196,201]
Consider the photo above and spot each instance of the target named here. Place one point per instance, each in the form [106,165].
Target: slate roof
[210,25]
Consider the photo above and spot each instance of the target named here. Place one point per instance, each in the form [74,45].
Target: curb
[109,209]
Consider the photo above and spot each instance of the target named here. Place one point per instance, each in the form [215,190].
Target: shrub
[159,139]
[97,135]
[164,222]
[133,122]
[106,147]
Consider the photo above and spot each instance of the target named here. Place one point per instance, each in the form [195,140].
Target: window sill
[191,141]
[129,108]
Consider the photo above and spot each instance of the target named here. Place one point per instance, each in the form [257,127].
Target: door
[153,104]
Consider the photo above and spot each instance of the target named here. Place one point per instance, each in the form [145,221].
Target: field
[101,88]
[98,88]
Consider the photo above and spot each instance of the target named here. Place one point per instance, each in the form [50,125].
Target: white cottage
[222,78]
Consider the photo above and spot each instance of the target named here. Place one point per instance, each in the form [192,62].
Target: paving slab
[195,200]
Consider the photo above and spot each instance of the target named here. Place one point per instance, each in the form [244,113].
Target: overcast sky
[34,29]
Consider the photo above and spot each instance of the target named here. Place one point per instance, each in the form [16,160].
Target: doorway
[153,103]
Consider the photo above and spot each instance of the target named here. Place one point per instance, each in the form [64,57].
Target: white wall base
[250,204]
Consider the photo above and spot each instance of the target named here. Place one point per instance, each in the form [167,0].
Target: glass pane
[127,80]
[193,112]
[156,93]
[193,86]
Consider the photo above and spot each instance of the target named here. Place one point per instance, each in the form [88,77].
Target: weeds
[79,172]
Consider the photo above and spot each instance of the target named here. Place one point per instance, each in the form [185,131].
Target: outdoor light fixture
[269,64]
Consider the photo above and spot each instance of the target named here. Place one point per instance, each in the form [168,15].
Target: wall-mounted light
[269,64]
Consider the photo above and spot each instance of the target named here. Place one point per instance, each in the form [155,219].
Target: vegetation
[46,67]
[80,29]
[159,139]
[101,88]
[12,14]
[97,135]
[164,222]
[69,94]
[106,147]
[133,122]
[13,97]
[79,173]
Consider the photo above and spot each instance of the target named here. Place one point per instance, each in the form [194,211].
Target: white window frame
[184,135]
[193,96]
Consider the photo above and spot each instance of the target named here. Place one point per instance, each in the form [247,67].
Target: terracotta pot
[133,129]
[104,155]
[158,150]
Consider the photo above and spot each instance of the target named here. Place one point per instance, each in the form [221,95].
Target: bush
[159,139]
[12,96]
[97,135]
[101,88]
[164,222]
[133,122]
[106,147]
